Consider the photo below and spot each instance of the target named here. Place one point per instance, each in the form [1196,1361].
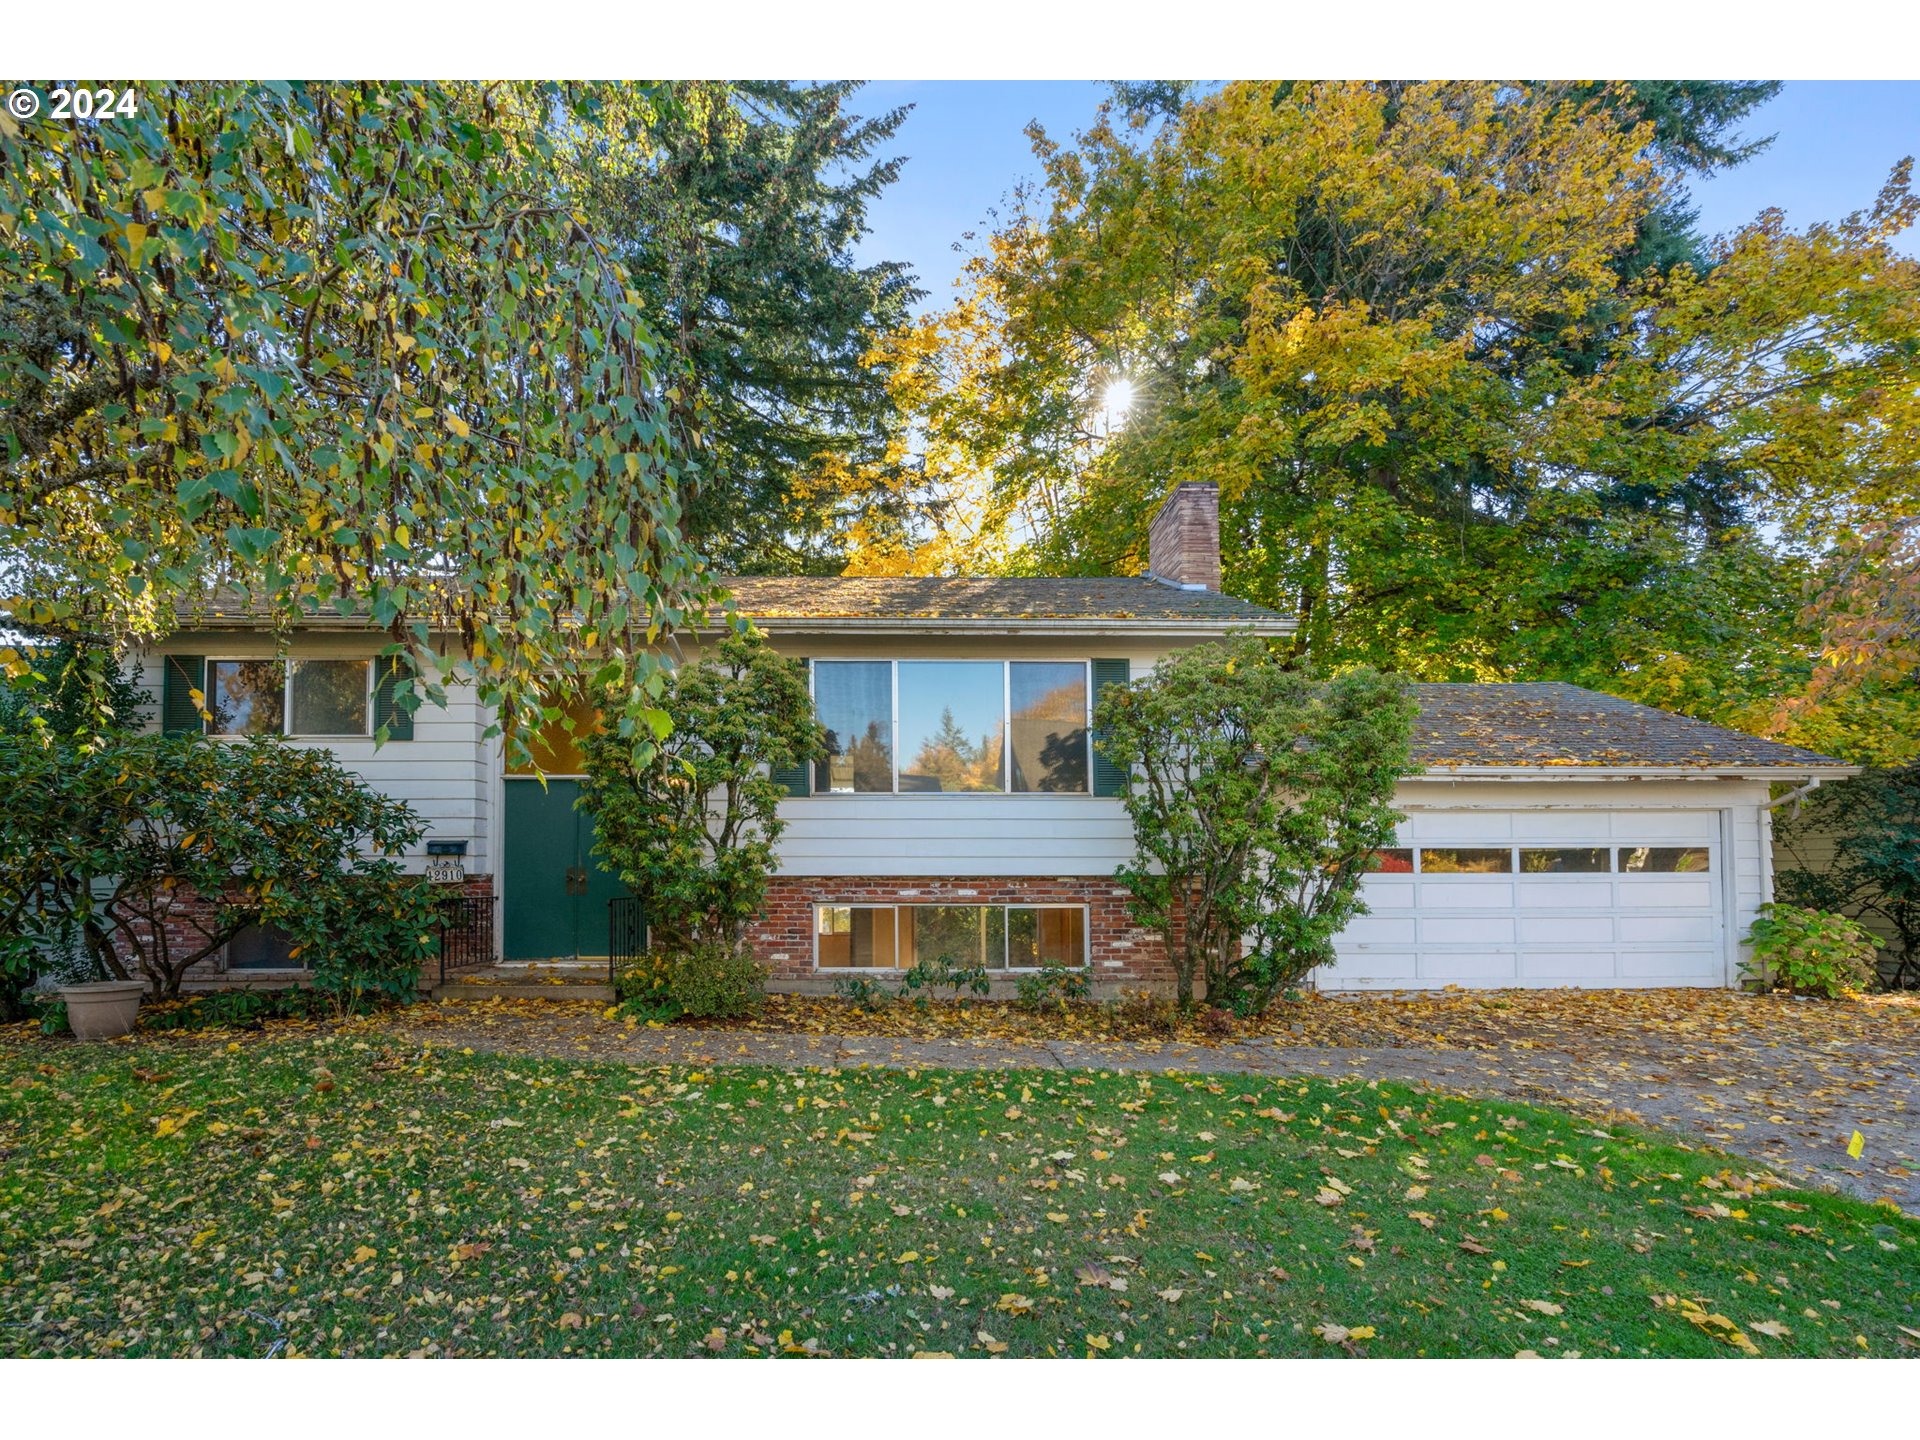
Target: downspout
[1796,795]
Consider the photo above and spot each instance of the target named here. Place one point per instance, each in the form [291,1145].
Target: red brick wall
[1120,952]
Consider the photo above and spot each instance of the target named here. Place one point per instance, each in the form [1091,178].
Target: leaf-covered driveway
[1787,1082]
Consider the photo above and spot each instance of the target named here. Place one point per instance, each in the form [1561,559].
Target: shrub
[1858,847]
[642,987]
[689,820]
[235,1009]
[158,849]
[1258,797]
[362,933]
[867,993]
[1811,952]
[716,982]
[1052,987]
[943,974]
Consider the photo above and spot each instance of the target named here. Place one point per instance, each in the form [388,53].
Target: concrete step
[523,990]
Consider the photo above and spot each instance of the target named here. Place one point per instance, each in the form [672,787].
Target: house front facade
[1553,837]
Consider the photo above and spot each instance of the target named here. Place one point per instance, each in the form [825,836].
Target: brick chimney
[1183,543]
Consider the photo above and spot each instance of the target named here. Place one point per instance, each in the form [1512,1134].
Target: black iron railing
[466,931]
[626,934]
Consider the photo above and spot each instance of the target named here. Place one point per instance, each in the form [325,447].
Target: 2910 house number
[446,869]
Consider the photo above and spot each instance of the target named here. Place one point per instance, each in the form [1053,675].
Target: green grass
[336,1196]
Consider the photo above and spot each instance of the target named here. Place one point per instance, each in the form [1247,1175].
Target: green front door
[556,891]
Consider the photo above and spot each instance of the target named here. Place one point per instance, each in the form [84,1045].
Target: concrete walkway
[1792,1111]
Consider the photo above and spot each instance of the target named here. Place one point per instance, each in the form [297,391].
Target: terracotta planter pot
[104,1009]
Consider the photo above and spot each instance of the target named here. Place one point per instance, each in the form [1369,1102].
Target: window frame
[1086,931]
[297,964]
[287,732]
[1005,792]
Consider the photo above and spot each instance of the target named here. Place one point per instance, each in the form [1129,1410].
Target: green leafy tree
[1258,797]
[691,824]
[736,209]
[69,688]
[158,849]
[1480,401]
[336,347]
[1856,844]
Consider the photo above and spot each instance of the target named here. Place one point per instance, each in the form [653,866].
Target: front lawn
[336,1194]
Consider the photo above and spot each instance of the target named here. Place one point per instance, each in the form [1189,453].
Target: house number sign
[446,869]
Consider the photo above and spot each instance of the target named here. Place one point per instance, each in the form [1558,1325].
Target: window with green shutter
[182,676]
[1109,779]
[387,713]
[794,779]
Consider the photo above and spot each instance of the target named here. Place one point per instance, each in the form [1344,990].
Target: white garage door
[1542,898]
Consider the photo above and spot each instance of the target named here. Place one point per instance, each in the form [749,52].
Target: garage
[1535,898]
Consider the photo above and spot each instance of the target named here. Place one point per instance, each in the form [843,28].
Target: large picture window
[282,697]
[953,727]
[995,937]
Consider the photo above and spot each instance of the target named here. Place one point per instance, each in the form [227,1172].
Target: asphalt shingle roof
[854,598]
[1551,724]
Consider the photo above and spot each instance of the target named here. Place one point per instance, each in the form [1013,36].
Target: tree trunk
[1181,957]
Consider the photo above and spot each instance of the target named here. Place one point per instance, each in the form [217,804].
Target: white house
[1554,836]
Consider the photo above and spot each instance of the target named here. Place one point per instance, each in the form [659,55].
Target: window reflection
[1049,703]
[246,697]
[950,725]
[854,700]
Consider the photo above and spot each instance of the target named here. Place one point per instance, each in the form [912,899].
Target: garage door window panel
[1462,860]
[1664,860]
[1565,860]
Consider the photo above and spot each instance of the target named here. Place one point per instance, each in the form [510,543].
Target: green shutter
[1108,778]
[386,708]
[794,779]
[179,711]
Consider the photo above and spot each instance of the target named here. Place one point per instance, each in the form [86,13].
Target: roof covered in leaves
[903,601]
[1523,725]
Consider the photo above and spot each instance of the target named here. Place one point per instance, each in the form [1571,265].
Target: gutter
[1813,774]
[1064,625]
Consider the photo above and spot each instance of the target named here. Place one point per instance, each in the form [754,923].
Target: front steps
[528,980]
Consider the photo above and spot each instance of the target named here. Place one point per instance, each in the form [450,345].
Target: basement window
[995,937]
[262,947]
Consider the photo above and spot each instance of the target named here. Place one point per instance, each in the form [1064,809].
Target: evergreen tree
[737,220]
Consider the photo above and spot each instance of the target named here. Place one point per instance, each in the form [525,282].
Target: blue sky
[1835,142]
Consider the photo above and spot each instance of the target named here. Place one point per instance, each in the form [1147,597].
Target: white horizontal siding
[901,835]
